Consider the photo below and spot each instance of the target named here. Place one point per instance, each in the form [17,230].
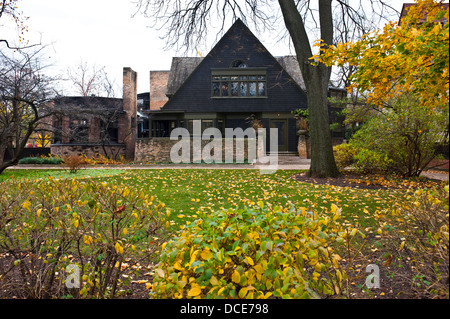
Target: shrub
[254,253]
[102,160]
[344,155]
[370,162]
[31,160]
[90,225]
[41,160]
[406,133]
[73,163]
[426,240]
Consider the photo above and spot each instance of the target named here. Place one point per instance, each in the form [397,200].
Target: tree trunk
[20,145]
[2,156]
[316,80]
[322,157]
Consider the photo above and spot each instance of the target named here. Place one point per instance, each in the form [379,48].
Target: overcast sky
[104,33]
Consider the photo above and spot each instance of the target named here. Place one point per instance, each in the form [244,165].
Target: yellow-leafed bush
[247,253]
[47,225]
[426,243]
[344,155]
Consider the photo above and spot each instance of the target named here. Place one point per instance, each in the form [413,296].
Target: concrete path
[442,176]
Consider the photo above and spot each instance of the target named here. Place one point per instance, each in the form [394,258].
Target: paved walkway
[442,176]
[284,163]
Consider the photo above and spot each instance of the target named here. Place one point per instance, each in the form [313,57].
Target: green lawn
[31,174]
[186,191]
[189,190]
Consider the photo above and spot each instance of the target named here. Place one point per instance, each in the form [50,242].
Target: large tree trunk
[322,157]
[316,80]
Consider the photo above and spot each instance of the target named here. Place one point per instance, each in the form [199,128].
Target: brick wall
[158,86]
[127,124]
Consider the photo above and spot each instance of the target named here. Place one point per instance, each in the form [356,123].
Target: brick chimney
[127,131]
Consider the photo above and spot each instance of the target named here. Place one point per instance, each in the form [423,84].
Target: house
[88,125]
[237,80]
[92,125]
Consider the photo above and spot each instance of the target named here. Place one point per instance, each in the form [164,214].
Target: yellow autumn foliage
[410,57]
[255,253]
[74,220]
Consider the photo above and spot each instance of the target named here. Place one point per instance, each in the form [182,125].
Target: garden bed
[363,200]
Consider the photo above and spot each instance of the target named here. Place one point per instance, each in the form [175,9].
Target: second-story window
[239,82]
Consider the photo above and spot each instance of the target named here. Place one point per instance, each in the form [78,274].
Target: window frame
[243,75]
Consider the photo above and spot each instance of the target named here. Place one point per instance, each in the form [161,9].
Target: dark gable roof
[291,66]
[180,70]
[182,67]
[189,83]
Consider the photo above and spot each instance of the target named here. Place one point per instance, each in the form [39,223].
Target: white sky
[104,33]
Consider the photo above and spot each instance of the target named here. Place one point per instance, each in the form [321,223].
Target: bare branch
[188,23]
[25,93]
[91,80]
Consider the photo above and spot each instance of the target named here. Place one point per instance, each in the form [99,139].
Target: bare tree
[9,9]
[90,80]
[186,23]
[25,95]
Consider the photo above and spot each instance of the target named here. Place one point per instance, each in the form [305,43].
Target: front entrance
[281,125]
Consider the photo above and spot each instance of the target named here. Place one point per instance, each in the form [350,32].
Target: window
[207,124]
[239,82]
[79,131]
[109,131]
[204,125]
[238,64]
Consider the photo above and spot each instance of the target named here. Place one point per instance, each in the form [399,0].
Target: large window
[239,82]
[79,130]
[204,125]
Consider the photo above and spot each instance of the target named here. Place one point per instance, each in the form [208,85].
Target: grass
[32,174]
[190,190]
[186,191]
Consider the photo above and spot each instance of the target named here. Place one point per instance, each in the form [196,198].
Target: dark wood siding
[234,123]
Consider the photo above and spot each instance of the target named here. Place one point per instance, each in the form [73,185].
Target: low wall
[90,150]
[157,149]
